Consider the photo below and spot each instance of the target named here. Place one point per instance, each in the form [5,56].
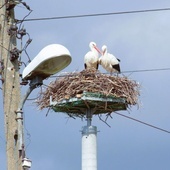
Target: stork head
[93,45]
[104,49]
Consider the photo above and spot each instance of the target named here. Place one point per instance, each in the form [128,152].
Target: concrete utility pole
[10,82]
[89,144]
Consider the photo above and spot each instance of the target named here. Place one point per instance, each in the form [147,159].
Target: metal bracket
[35,82]
[89,114]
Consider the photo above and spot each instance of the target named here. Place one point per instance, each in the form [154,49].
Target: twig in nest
[105,105]
[48,111]
[86,104]
[71,116]
[108,115]
[103,120]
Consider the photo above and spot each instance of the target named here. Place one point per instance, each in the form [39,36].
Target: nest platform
[99,103]
[72,93]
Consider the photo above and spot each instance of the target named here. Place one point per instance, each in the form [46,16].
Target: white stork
[91,58]
[109,62]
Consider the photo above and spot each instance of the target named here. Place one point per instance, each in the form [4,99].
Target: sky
[141,41]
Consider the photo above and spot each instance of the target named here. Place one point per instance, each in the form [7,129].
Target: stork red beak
[98,49]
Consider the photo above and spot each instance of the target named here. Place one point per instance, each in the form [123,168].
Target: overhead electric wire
[147,70]
[130,71]
[96,14]
[155,127]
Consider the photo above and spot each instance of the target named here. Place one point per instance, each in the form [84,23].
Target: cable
[3,5]
[21,21]
[131,71]
[96,15]
[4,48]
[27,133]
[143,123]
[147,70]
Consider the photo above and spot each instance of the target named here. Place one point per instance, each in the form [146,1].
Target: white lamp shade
[50,60]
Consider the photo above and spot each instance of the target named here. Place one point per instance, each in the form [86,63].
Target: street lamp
[50,60]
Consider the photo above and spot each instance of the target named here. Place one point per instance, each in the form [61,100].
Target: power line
[96,14]
[147,70]
[130,71]
[147,124]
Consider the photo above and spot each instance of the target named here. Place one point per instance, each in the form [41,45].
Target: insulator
[13,28]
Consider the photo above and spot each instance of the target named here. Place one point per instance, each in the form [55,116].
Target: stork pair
[108,61]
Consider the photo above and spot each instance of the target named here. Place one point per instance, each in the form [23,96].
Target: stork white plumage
[109,62]
[91,58]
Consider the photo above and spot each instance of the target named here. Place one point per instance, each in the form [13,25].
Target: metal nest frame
[100,104]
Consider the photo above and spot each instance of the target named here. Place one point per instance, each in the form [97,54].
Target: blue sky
[141,41]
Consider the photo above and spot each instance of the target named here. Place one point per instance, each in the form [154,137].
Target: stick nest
[75,84]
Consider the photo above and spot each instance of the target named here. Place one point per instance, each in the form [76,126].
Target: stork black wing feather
[116,67]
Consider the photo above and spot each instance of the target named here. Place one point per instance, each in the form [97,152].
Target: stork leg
[97,66]
[85,65]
